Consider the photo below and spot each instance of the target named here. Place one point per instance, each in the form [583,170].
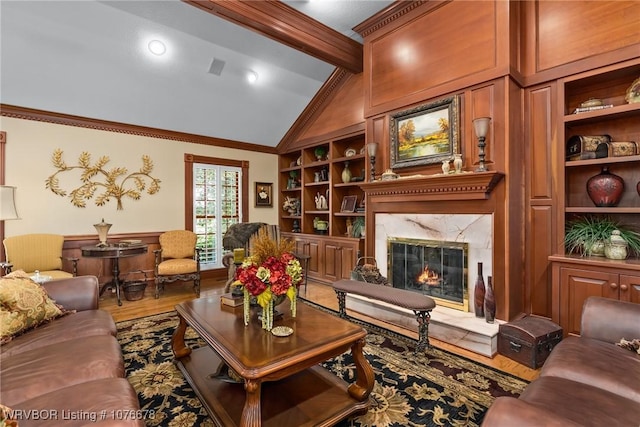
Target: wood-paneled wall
[502,59]
[434,49]
[560,38]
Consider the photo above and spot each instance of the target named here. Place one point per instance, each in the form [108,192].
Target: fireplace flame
[429,277]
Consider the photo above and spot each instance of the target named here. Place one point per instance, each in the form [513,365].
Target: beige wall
[29,150]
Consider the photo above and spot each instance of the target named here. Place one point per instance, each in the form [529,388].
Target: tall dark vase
[605,189]
[478,293]
[489,303]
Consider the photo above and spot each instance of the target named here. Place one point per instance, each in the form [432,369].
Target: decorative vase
[445,167]
[616,246]
[605,189]
[489,302]
[346,173]
[267,314]
[638,188]
[478,293]
[102,229]
[457,163]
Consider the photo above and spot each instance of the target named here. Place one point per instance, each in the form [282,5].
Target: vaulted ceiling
[91,59]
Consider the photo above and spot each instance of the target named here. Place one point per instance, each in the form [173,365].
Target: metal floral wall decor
[102,183]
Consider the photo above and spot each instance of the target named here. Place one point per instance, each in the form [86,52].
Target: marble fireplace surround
[456,207]
[457,327]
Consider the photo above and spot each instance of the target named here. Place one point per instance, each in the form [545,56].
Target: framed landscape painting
[426,134]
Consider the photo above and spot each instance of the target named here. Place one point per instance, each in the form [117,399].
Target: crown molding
[108,126]
[392,13]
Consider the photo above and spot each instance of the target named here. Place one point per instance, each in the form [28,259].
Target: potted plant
[588,235]
[320,152]
[357,229]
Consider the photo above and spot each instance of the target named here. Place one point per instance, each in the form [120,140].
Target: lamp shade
[372,148]
[481,126]
[7,202]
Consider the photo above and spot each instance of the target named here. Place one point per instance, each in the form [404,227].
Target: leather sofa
[69,371]
[587,380]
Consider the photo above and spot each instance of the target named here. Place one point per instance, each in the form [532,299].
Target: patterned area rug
[434,388]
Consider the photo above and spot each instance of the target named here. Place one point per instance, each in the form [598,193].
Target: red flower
[277,279]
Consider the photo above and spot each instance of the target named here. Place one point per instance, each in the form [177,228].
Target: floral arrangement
[291,204]
[271,271]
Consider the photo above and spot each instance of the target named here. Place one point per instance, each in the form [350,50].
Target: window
[216,192]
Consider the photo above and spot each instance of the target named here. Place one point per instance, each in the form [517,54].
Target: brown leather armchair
[587,380]
[177,259]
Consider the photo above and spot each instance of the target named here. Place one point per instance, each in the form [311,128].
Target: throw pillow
[5,417]
[11,323]
[25,305]
[633,345]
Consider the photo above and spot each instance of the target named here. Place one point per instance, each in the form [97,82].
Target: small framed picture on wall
[264,194]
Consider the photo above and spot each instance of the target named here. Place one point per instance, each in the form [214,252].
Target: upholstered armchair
[177,259]
[41,252]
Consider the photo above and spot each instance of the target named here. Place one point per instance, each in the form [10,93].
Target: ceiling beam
[284,24]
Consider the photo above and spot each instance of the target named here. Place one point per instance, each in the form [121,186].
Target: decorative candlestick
[372,148]
[238,255]
[481,127]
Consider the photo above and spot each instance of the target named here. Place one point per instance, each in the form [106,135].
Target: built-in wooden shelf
[597,261]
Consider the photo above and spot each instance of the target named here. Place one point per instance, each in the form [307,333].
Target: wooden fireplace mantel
[464,186]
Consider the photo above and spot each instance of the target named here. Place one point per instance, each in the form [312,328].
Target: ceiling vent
[216,66]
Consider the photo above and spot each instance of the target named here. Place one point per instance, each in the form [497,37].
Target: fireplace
[430,267]
[468,233]
[462,208]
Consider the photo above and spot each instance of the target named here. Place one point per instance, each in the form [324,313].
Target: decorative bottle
[478,293]
[489,302]
[346,173]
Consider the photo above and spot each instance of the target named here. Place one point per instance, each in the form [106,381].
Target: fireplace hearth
[434,268]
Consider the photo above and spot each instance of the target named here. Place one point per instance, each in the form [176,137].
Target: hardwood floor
[178,292]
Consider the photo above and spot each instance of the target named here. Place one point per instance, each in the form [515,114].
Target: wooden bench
[421,305]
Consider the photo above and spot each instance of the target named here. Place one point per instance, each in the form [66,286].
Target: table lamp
[8,203]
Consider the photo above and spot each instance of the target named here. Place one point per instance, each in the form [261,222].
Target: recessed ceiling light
[252,76]
[157,47]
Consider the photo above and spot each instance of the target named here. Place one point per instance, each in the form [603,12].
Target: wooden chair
[41,252]
[177,259]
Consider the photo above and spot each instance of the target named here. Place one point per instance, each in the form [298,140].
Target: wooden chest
[528,340]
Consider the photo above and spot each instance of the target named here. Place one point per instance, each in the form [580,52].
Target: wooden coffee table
[284,385]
